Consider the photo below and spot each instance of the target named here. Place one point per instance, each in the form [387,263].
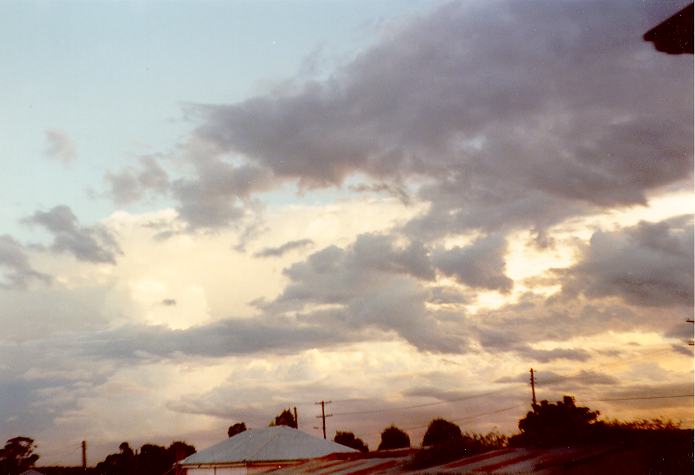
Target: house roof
[675,34]
[280,443]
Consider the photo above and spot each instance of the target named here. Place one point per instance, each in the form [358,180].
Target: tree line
[667,447]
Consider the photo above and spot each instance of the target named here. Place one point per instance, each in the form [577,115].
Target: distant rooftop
[270,444]
[675,34]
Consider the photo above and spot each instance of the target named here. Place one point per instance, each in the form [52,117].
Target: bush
[394,438]
[441,432]
[348,439]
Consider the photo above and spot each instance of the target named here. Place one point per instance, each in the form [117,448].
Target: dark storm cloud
[479,265]
[285,248]
[15,269]
[648,264]
[86,243]
[517,116]
[132,184]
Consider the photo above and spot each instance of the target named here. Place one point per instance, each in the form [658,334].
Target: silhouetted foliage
[348,439]
[179,450]
[661,447]
[17,456]
[285,418]
[556,424]
[150,460]
[235,429]
[58,470]
[440,432]
[456,448]
[393,438]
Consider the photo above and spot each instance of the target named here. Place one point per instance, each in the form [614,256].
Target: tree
[441,432]
[394,438]
[348,439]
[235,429]
[557,424]
[18,455]
[180,450]
[285,418]
[153,459]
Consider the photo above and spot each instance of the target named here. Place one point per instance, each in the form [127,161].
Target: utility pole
[323,415]
[533,389]
[84,455]
[296,419]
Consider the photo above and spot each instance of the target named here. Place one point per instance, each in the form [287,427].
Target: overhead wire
[429,404]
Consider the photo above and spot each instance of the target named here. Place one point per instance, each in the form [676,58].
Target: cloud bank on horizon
[490,182]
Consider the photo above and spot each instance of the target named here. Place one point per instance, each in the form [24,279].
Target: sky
[212,211]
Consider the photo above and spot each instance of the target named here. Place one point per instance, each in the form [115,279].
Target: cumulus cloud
[86,243]
[270,334]
[132,184]
[285,248]
[481,264]
[215,196]
[374,283]
[59,146]
[514,116]
[648,264]
[15,268]
[518,327]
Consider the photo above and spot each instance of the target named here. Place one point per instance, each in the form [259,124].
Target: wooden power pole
[533,389]
[84,455]
[323,415]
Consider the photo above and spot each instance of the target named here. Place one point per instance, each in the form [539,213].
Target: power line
[640,398]
[415,406]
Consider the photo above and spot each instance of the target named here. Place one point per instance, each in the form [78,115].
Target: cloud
[500,341]
[215,196]
[269,334]
[283,249]
[580,379]
[59,146]
[16,270]
[131,184]
[374,283]
[479,265]
[649,264]
[86,243]
[511,117]
[394,190]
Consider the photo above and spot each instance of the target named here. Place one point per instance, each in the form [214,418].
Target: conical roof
[270,444]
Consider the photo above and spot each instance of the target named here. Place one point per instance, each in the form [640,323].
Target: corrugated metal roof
[266,445]
[502,461]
